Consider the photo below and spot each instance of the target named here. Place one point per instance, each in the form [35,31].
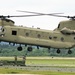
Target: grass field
[17,71]
[38,65]
[48,61]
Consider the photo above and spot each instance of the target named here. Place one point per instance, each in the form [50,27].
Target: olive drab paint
[58,38]
[63,37]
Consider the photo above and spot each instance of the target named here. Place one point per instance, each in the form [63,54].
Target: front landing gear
[19,48]
[29,49]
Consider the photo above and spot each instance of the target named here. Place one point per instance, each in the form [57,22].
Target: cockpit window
[3,30]
[0,28]
[8,20]
[58,25]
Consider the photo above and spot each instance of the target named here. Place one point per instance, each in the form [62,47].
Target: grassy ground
[48,61]
[40,61]
[19,71]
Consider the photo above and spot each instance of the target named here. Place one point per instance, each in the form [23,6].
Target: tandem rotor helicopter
[63,37]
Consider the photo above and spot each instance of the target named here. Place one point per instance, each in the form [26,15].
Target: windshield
[0,28]
[58,26]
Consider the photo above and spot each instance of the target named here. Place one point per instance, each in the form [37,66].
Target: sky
[10,7]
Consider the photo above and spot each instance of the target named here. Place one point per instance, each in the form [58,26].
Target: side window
[14,32]
[38,35]
[27,34]
[50,37]
[62,39]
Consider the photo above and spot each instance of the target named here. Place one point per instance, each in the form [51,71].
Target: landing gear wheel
[69,52]
[58,51]
[29,49]
[19,48]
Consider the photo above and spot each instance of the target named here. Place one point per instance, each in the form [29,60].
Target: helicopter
[63,37]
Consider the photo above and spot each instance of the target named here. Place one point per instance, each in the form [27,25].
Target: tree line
[10,50]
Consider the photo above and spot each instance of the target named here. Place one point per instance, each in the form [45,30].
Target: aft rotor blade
[31,12]
[71,17]
[51,14]
[57,15]
[37,12]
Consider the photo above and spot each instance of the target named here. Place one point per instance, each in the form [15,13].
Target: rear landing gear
[58,51]
[69,52]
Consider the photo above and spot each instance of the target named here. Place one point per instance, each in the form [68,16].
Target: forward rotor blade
[71,17]
[4,17]
[26,15]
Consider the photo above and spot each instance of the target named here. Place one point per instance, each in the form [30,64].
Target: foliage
[10,50]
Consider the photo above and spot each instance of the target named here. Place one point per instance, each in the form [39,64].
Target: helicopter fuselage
[37,37]
[62,37]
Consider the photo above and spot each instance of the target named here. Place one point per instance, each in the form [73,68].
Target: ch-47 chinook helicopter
[63,37]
